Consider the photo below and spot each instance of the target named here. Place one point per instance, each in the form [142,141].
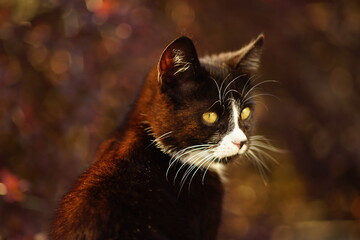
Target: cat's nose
[239,144]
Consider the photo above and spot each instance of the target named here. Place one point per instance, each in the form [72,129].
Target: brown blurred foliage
[69,71]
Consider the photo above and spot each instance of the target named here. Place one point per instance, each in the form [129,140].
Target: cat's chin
[230,159]
[225,161]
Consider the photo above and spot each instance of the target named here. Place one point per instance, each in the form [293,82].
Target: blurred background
[70,69]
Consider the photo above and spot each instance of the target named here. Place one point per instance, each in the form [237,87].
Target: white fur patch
[227,146]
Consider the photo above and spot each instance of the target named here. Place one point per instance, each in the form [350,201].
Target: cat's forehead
[218,68]
[219,94]
[223,77]
[215,67]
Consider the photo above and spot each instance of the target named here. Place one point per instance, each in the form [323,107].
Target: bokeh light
[69,71]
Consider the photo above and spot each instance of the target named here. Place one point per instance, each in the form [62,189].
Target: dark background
[70,69]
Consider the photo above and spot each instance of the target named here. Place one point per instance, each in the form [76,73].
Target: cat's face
[203,112]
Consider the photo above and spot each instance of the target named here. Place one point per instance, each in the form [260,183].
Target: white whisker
[267,146]
[247,82]
[258,95]
[217,101]
[263,104]
[224,95]
[218,88]
[156,140]
[187,161]
[255,86]
[230,91]
[202,162]
[182,153]
[263,153]
[211,162]
[257,152]
[262,167]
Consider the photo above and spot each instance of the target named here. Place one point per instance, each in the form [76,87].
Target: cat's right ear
[178,58]
[247,59]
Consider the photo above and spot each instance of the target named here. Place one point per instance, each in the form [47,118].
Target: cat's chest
[154,176]
[155,198]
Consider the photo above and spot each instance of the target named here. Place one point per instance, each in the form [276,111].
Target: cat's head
[203,107]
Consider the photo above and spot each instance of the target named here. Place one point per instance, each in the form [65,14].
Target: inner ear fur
[178,57]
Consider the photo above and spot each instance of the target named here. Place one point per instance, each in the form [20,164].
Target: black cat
[159,175]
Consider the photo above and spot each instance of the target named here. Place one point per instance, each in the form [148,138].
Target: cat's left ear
[178,58]
[247,59]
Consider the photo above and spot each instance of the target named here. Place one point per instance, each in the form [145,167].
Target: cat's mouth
[229,149]
[243,148]
[227,154]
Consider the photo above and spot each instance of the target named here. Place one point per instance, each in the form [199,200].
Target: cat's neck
[132,135]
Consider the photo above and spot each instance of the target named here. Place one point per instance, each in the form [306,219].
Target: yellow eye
[245,113]
[210,117]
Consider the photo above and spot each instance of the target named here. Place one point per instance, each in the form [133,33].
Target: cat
[159,176]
